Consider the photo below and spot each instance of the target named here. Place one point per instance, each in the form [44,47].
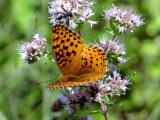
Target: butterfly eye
[59,17]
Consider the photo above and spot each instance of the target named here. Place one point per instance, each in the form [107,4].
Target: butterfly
[80,64]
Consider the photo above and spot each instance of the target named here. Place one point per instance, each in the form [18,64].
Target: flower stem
[106,115]
[104,108]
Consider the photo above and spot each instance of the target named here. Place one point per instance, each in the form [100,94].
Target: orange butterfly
[79,64]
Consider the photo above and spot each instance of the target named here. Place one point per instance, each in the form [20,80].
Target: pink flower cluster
[76,100]
[112,85]
[31,52]
[126,18]
[115,86]
[77,11]
[114,47]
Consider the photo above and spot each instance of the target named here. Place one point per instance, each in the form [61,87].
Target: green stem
[104,108]
[106,116]
[79,29]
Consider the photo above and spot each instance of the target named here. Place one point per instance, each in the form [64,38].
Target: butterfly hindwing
[81,80]
[92,60]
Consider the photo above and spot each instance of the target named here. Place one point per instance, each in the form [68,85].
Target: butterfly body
[79,64]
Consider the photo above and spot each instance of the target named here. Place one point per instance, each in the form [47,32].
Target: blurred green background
[22,99]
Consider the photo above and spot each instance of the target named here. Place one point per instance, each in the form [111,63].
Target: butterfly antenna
[63,93]
[67,91]
[132,74]
[38,83]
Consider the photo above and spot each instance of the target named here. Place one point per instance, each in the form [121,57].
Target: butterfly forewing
[67,47]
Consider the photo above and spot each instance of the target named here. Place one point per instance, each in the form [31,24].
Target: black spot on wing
[68,54]
[68,40]
[74,52]
[71,44]
[65,47]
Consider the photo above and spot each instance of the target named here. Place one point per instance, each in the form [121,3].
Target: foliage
[22,98]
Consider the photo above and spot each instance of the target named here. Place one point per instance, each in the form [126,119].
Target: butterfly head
[64,17]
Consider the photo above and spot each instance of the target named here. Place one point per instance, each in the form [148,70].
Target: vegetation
[22,99]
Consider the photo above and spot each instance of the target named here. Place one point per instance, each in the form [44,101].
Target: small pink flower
[126,18]
[72,11]
[77,99]
[112,46]
[31,52]
[121,59]
[113,85]
[117,84]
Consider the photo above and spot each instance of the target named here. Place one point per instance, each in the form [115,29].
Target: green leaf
[113,26]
